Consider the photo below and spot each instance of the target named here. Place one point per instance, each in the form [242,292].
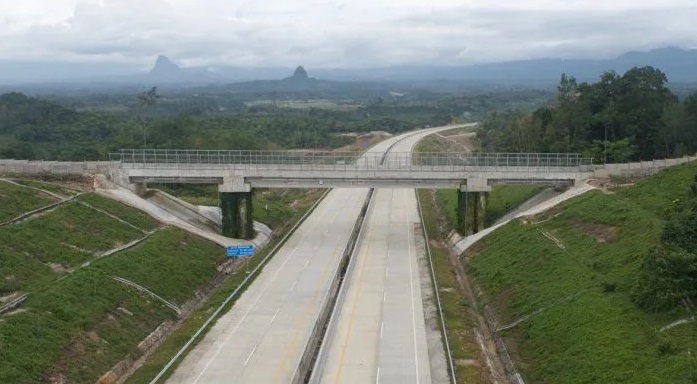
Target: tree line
[619,118]
[34,128]
[668,276]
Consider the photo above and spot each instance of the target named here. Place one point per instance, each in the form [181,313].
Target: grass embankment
[77,322]
[16,200]
[456,311]
[578,264]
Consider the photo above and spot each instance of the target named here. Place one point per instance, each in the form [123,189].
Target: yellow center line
[363,262]
[301,320]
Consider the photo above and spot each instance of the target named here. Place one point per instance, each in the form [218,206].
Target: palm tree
[146,100]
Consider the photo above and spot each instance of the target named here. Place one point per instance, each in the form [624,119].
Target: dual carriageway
[377,332]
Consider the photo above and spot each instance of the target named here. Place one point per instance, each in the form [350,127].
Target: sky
[338,34]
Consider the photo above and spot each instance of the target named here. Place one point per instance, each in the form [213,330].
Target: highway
[263,337]
[378,333]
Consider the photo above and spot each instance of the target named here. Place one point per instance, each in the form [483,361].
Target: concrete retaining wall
[641,168]
[54,167]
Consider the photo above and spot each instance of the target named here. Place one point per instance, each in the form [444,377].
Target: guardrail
[165,158]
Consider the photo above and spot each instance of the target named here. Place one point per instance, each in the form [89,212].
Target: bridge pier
[140,188]
[471,207]
[472,198]
[238,221]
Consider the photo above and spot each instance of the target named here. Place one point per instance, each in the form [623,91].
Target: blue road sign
[240,250]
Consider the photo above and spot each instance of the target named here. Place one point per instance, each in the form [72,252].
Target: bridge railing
[344,160]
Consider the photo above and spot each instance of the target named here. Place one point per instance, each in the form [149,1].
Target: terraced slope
[561,285]
[77,321]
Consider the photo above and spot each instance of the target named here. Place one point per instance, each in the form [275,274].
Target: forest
[619,118]
[90,126]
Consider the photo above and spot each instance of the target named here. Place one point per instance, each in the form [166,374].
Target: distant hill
[165,68]
[301,83]
[679,64]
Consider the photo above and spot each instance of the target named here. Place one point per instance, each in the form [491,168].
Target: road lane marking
[377,376]
[355,304]
[250,354]
[293,286]
[382,325]
[253,305]
[411,287]
[308,307]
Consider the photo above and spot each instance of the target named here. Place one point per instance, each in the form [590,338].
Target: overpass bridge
[242,171]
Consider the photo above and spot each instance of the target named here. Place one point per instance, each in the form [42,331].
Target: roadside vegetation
[77,321]
[458,315]
[501,200]
[15,200]
[564,284]
[619,118]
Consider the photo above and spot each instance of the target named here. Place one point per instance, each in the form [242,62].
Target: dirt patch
[609,185]
[475,250]
[294,205]
[57,268]
[467,362]
[16,311]
[10,297]
[601,233]
[501,305]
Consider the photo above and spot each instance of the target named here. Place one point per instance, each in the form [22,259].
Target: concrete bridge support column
[238,221]
[471,207]
[140,188]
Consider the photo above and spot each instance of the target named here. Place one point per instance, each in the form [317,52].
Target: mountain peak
[300,73]
[164,66]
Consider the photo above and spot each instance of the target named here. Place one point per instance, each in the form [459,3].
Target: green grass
[74,329]
[47,187]
[75,326]
[589,331]
[171,263]
[16,200]
[69,235]
[273,206]
[123,212]
[502,199]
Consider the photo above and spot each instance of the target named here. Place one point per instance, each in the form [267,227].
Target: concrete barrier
[312,348]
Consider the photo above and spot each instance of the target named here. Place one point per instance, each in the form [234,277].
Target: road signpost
[239,251]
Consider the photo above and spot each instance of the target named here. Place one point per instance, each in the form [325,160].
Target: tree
[145,101]
[669,272]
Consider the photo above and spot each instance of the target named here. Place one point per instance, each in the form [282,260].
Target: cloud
[327,33]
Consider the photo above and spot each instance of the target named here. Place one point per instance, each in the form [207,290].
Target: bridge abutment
[238,221]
